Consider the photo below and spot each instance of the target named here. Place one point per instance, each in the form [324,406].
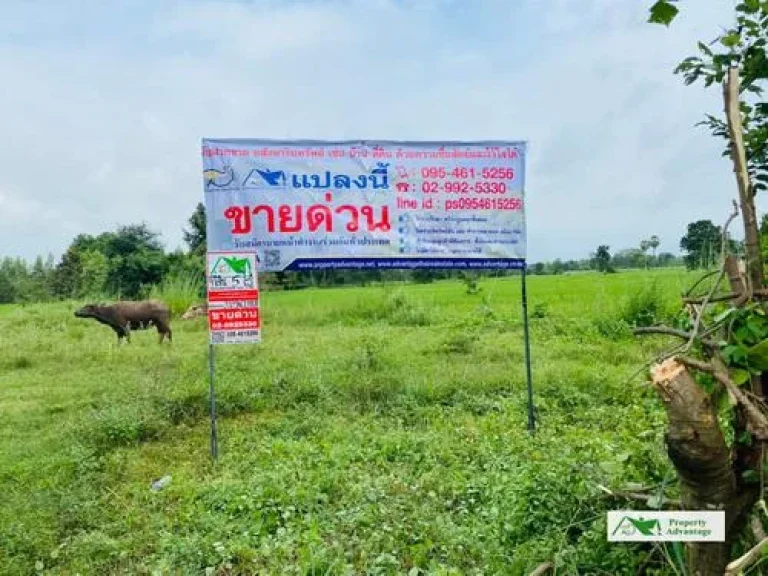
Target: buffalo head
[87,311]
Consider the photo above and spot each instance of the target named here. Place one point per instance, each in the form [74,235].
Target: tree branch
[758,294]
[739,157]
[542,569]
[645,498]
[666,330]
[738,565]
[757,423]
[723,249]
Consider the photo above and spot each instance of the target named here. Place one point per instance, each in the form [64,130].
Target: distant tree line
[130,262]
[701,247]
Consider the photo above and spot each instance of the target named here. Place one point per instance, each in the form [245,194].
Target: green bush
[179,292]
[644,307]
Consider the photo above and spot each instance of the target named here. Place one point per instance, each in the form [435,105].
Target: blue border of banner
[387,263]
[304,264]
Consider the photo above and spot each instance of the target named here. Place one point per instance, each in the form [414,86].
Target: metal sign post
[233,312]
[212,371]
[528,379]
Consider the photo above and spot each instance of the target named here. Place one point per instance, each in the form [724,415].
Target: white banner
[667,526]
[302,205]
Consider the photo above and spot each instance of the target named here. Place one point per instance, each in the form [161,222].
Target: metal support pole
[212,370]
[531,419]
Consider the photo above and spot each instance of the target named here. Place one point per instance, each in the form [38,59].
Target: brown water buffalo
[125,316]
[195,311]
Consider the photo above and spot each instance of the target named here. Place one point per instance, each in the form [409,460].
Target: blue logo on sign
[271,177]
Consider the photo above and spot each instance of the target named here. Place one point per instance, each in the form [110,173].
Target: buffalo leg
[163,330]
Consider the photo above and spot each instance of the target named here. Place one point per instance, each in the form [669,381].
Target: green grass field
[374,431]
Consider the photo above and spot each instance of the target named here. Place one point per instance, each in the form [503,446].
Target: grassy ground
[377,431]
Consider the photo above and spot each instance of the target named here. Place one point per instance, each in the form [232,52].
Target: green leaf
[734,353]
[757,355]
[750,477]
[663,12]
[730,40]
[677,547]
[724,315]
[739,376]
[704,48]
[724,402]
[749,6]
[744,438]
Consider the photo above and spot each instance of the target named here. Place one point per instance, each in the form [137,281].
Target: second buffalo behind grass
[127,315]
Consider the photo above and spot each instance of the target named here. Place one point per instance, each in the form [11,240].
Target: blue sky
[104,105]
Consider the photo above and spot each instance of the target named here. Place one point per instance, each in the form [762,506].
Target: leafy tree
[649,244]
[742,45]
[7,289]
[654,243]
[702,243]
[602,258]
[644,246]
[710,382]
[66,276]
[41,277]
[195,237]
[667,259]
[94,272]
[629,258]
[136,259]
[557,267]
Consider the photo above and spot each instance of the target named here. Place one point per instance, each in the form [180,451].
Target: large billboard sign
[304,205]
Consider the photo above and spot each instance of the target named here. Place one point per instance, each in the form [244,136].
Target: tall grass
[179,292]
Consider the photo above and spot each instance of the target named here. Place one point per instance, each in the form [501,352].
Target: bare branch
[723,248]
[645,498]
[759,294]
[542,569]
[699,281]
[666,330]
[696,364]
[738,156]
[757,423]
[738,565]
[757,528]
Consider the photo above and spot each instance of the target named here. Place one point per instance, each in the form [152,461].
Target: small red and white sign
[233,298]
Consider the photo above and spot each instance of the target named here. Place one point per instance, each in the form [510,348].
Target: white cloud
[107,130]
